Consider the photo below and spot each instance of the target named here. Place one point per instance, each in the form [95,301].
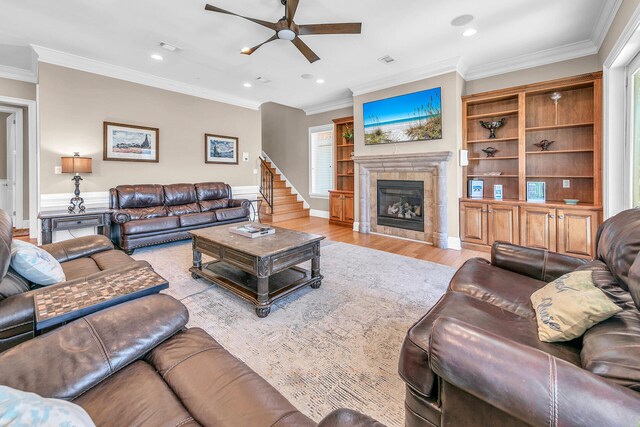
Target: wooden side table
[63,220]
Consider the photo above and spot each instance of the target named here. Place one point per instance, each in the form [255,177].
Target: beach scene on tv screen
[413,117]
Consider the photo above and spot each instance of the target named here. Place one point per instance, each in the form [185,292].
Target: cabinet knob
[552,216]
[560,216]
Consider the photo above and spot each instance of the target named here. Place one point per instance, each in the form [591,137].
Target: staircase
[285,203]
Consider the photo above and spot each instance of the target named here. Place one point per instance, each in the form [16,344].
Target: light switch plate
[255,171]
[245,156]
[566,183]
[57,170]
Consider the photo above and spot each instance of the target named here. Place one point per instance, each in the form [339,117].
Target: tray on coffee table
[60,304]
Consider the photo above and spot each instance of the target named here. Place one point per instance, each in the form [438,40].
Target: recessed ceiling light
[247,84]
[169,47]
[470,32]
[461,20]
[157,57]
[320,81]
[307,76]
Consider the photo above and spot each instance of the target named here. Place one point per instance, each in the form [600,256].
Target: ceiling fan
[287,29]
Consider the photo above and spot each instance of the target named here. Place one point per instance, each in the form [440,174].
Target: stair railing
[266,182]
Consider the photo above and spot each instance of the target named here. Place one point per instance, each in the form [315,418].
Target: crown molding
[409,76]
[543,57]
[80,63]
[20,74]
[329,106]
[607,15]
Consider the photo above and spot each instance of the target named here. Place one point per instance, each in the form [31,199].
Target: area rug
[337,346]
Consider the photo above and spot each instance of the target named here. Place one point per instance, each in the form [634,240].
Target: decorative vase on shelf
[492,126]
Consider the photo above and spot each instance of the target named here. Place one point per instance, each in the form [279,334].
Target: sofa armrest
[80,247]
[74,358]
[16,316]
[527,383]
[239,203]
[120,217]
[538,264]
[348,418]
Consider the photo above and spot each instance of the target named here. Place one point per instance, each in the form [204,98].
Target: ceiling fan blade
[306,50]
[292,6]
[257,21]
[253,49]
[314,29]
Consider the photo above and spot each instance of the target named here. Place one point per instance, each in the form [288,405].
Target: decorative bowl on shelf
[491,126]
[490,151]
[571,201]
[544,144]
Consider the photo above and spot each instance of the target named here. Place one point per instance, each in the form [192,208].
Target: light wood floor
[453,258]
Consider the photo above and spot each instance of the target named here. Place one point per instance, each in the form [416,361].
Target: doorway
[11,163]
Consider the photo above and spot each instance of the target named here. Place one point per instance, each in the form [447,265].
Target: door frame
[18,190]
[34,160]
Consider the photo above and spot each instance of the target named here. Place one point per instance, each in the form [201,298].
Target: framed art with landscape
[130,143]
[220,149]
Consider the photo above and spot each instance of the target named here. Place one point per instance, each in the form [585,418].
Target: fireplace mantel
[430,164]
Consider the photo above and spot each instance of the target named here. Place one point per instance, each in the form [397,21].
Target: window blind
[321,151]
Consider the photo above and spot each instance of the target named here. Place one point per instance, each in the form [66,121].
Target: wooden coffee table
[261,270]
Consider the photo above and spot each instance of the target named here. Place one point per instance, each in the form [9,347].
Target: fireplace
[401,204]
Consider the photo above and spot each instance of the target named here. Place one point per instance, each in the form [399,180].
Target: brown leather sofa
[146,215]
[475,358]
[81,259]
[136,365]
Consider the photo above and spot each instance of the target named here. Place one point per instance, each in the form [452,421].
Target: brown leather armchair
[145,215]
[475,357]
[81,259]
[136,364]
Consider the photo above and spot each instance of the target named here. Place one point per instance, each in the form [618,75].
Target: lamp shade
[76,164]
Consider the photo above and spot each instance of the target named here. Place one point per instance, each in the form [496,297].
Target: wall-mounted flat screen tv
[412,117]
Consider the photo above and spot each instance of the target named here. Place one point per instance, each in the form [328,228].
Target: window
[321,160]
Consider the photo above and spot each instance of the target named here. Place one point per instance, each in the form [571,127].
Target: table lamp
[76,165]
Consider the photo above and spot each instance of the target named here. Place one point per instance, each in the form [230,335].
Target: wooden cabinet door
[503,224]
[347,208]
[538,227]
[577,232]
[335,206]
[473,223]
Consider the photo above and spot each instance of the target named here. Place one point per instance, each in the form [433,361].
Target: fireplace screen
[401,204]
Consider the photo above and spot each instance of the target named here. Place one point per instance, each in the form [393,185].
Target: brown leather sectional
[475,357]
[153,372]
[149,214]
[83,258]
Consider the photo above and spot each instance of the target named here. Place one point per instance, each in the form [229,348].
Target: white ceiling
[417,33]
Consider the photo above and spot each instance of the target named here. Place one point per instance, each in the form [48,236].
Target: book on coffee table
[253,231]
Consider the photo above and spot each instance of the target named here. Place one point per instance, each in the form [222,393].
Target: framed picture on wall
[220,149]
[130,143]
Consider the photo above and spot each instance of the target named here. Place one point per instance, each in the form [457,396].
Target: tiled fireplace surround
[429,168]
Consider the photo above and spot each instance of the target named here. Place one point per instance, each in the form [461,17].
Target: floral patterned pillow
[19,408]
[568,306]
[35,264]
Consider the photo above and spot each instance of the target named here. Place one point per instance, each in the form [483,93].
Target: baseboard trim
[454,243]
[319,213]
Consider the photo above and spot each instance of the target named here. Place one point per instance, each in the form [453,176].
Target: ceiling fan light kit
[287,29]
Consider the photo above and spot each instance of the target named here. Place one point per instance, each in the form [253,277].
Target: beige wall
[625,12]
[558,70]
[285,139]
[3,145]
[74,105]
[17,89]
[452,87]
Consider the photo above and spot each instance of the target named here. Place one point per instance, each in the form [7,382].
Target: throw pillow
[20,408]
[35,264]
[568,306]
